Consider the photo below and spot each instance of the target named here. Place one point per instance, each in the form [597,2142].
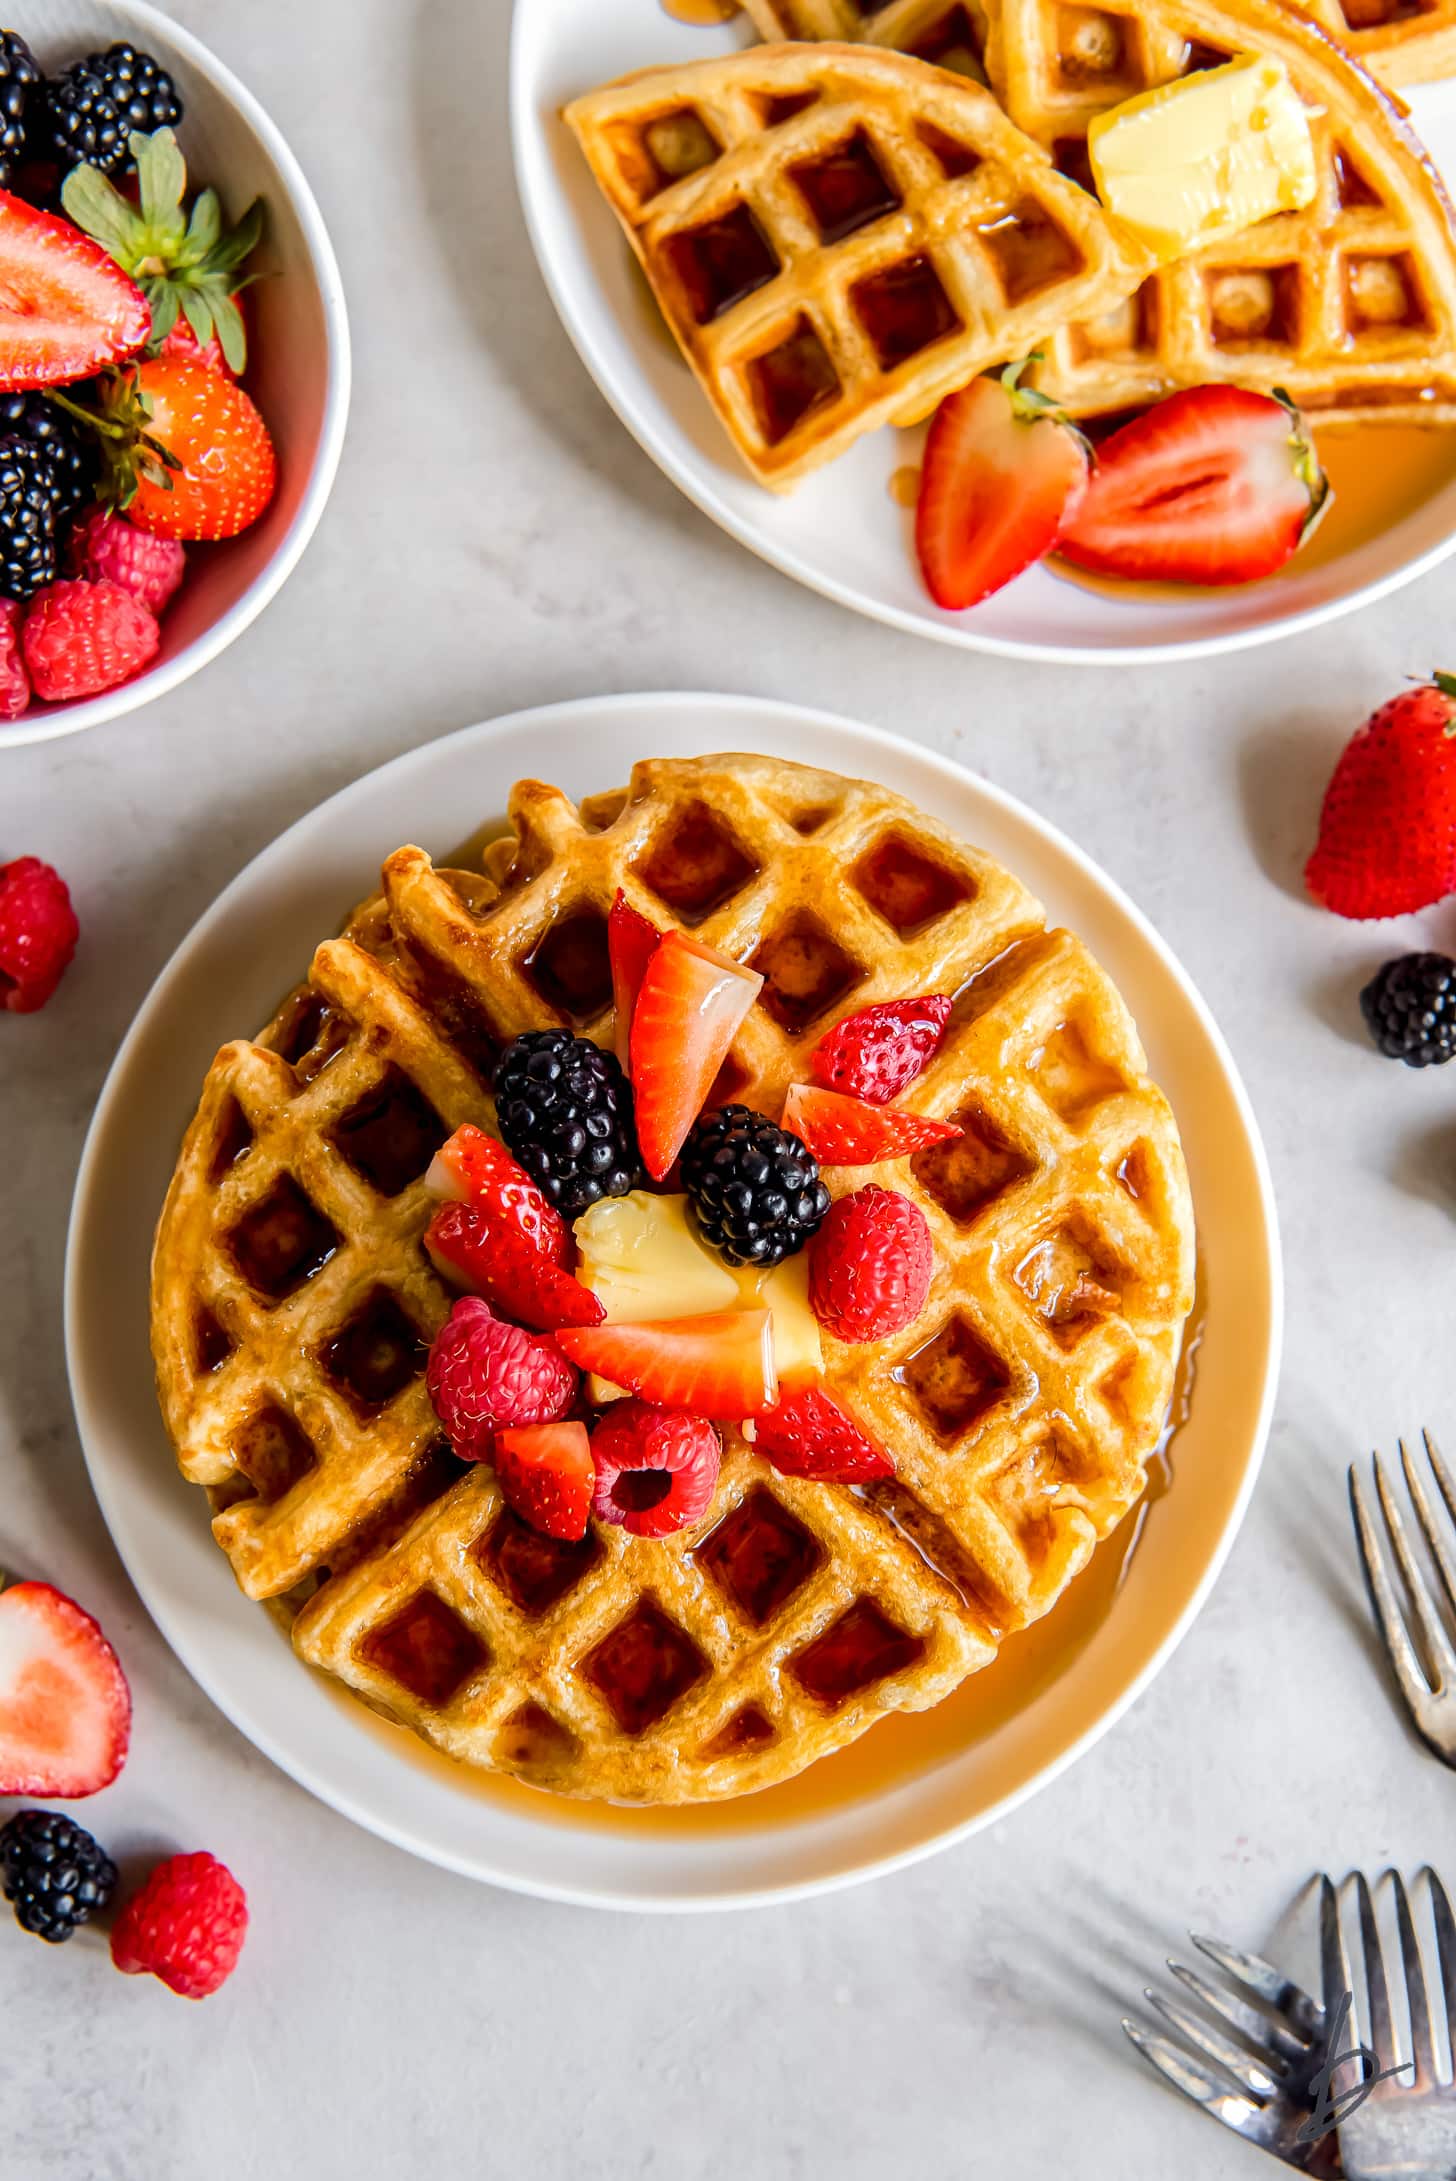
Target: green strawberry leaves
[187,265]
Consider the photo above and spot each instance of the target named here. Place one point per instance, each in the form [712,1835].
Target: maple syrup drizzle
[904,487]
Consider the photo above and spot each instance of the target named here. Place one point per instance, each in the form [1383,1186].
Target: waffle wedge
[839,236]
[1350,305]
[291,1298]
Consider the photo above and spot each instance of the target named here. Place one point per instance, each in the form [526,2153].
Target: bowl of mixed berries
[174,363]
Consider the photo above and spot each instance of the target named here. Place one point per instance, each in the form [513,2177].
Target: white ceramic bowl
[298,366]
[911,1784]
[840,532]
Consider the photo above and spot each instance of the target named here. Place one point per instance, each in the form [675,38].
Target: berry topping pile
[123,428]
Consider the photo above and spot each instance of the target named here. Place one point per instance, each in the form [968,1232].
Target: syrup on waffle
[1349,305]
[839,236]
[292,1299]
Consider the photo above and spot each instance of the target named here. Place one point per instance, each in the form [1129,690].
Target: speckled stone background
[495,540]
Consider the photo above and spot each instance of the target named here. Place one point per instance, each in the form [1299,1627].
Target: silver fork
[1404,2129]
[1259,2079]
[1427,1675]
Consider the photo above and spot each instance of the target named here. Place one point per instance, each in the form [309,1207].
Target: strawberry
[188,455]
[656,1468]
[14,681]
[844,1131]
[186,1926]
[65,1708]
[80,638]
[691,1002]
[66,308]
[719,1365]
[870,1265]
[1387,831]
[1214,485]
[807,1434]
[1003,470]
[38,933]
[484,1374]
[631,938]
[547,1475]
[106,548]
[473,1168]
[877,1052]
[470,1248]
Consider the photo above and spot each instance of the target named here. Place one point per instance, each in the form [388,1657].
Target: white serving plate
[226,978]
[840,532]
[298,366]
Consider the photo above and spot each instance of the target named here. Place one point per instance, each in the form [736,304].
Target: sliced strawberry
[631,939]
[1003,470]
[844,1131]
[474,1169]
[691,1002]
[721,1365]
[66,307]
[547,1475]
[1214,485]
[472,1250]
[65,1708]
[807,1434]
[878,1052]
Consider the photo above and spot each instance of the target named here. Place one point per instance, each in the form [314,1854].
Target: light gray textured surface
[496,540]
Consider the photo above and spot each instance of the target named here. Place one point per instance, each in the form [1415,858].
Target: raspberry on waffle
[292,1298]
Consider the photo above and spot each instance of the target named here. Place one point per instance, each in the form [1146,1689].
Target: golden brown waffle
[839,236]
[1349,305]
[1021,1406]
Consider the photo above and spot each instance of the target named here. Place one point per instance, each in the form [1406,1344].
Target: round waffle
[292,1302]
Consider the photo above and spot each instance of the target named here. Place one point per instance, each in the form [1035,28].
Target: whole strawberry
[1387,833]
[186,1926]
[212,430]
[38,933]
[106,548]
[485,1374]
[80,638]
[870,1265]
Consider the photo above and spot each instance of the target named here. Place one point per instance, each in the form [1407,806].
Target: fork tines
[1409,1617]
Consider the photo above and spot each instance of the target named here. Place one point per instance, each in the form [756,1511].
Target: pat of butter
[1200,160]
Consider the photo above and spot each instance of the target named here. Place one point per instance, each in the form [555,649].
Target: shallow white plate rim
[298,1765]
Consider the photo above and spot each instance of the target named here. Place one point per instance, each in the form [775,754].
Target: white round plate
[907,1786]
[840,532]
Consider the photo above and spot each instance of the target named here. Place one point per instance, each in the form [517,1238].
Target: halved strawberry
[844,1131]
[631,938]
[1003,470]
[691,1002]
[1214,485]
[66,307]
[547,1474]
[807,1434]
[65,1708]
[472,1168]
[720,1365]
[473,1250]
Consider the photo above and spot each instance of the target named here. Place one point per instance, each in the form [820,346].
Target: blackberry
[565,1111]
[27,518]
[1410,1009]
[95,104]
[754,1187]
[20,100]
[71,448]
[54,1873]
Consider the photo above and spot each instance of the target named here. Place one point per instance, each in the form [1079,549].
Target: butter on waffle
[1349,305]
[839,236]
[1021,1406]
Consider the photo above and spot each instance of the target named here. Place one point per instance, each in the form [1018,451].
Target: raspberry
[484,1374]
[38,933]
[80,638]
[875,1053]
[807,1434]
[14,681]
[870,1265]
[656,1468]
[186,1926]
[104,548]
